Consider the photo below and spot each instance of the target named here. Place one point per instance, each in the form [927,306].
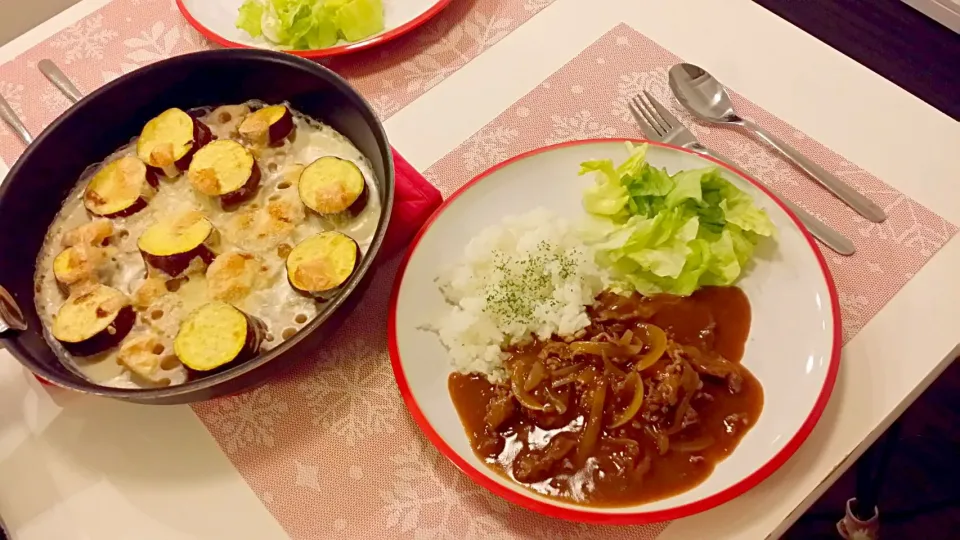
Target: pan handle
[11,318]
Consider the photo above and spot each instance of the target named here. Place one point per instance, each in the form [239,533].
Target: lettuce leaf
[687,188]
[633,166]
[248,20]
[360,18]
[608,197]
[310,24]
[670,234]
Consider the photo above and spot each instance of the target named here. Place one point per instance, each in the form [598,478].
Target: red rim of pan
[587,515]
[328,52]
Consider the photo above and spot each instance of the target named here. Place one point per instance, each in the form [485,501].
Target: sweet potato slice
[321,264]
[267,126]
[171,245]
[331,185]
[225,169]
[121,188]
[93,320]
[217,334]
[168,142]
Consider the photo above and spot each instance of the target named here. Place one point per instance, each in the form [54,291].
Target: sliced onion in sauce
[563,372]
[660,438]
[689,382]
[584,376]
[696,445]
[518,379]
[634,407]
[563,381]
[598,348]
[656,340]
[536,376]
[609,367]
[558,405]
[587,376]
[588,439]
[623,441]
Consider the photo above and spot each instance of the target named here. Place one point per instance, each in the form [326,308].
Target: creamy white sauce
[273,301]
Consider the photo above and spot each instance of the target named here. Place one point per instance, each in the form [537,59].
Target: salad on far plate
[310,24]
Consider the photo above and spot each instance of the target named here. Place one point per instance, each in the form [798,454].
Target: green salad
[670,234]
[310,24]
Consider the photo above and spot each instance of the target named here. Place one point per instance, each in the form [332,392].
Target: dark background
[920,497]
[889,37]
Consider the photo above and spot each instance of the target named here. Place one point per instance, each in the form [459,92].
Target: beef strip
[663,389]
[714,365]
[547,420]
[536,465]
[620,458]
[690,418]
[733,423]
[555,349]
[500,409]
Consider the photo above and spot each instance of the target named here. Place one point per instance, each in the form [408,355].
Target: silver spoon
[12,120]
[706,98]
[59,79]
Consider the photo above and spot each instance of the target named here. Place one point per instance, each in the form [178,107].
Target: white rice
[532,275]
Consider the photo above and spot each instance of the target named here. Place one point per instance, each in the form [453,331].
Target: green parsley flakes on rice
[531,276]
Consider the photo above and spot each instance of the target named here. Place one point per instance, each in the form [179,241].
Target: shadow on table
[75,442]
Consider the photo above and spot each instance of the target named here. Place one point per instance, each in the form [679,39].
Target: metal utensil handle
[11,317]
[60,80]
[862,205]
[12,120]
[820,230]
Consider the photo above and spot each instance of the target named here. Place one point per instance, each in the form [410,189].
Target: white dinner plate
[216,20]
[793,348]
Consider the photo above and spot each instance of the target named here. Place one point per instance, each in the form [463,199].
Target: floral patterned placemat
[329,448]
[127,34]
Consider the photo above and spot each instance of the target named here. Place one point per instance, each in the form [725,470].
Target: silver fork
[658,124]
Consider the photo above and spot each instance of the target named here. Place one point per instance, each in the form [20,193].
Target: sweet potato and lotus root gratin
[172,258]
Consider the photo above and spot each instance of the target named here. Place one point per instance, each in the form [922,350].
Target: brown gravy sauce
[619,472]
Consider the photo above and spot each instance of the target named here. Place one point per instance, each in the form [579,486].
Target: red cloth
[414,201]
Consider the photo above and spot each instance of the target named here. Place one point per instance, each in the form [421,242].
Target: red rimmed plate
[793,348]
[216,20]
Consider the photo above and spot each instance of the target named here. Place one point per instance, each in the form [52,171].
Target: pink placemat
[127,34]
[330,449]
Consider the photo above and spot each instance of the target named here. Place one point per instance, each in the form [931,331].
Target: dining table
[483,82]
